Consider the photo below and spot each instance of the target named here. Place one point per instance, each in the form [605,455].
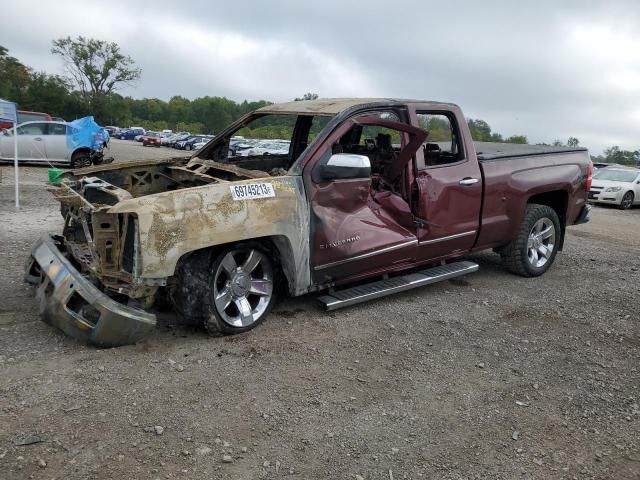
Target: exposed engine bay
[102,245]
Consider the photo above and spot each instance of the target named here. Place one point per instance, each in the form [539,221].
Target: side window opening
[57,129]
[382,145]
[31,129]
[443,145]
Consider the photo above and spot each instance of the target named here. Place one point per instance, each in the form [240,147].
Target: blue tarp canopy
[85,132]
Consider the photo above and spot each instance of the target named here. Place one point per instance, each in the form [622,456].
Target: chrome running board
[381,288]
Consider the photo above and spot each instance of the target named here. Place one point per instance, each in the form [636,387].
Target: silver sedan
[616,186]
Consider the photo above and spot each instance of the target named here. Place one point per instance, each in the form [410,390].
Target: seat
[384,154]
[432,154]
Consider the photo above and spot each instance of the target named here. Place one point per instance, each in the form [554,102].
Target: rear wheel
[535,248]
[627,201]
[80,160]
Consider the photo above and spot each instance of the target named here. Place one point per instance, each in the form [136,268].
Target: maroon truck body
[382,186]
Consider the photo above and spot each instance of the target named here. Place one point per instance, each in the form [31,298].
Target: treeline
[62,97]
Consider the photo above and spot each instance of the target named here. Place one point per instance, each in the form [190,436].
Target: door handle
[38,139]
[469,181]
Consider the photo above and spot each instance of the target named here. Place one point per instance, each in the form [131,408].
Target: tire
[535,248]
[80,160]
[627,201]
[221,290]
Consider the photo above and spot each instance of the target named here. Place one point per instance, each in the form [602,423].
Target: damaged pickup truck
[373,197]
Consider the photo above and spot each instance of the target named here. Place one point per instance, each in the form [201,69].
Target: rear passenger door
[56,143]
[448,187]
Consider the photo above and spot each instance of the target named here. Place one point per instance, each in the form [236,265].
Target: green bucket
[54,175]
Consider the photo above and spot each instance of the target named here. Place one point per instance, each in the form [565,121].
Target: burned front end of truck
[88,278]
[128,226]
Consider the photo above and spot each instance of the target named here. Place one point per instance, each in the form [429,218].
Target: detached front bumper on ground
[69,301]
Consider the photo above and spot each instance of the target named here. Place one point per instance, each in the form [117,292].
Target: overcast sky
[546,69]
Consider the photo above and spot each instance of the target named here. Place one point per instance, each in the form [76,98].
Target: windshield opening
[268,142]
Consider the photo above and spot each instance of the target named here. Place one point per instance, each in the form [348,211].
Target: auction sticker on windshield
[250,191]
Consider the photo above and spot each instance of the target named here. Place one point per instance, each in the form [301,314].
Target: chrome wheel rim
[243,287]
[627,200]
[541,242]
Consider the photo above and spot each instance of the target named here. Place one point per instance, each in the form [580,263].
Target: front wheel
[535,248]
[229,291]
[241,290]
[627,201]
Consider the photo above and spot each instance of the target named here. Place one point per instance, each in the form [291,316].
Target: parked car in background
[182,144]
[616,186]
[151,140]
[25,116]
[139,138]
[130,133]
[189,143]
[238,148]
[55,142]
[113,130]
[266,148]
[199,144]
[178,137]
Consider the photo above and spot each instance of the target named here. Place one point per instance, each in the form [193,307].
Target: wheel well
[81,150]
[278,245]
[558,200]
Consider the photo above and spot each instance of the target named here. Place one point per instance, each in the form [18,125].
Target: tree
[307,96]
[480,130]
[97,68]
[573,142]
[14,76]
[625,157]
[522,139]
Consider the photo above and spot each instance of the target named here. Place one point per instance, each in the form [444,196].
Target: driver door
[31,144]
[356,229]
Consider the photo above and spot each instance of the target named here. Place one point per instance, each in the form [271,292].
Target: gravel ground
[491,376]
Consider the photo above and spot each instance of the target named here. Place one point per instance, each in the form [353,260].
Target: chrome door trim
[449,237]
[366,255]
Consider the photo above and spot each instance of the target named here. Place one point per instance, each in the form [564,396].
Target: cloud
[546,69]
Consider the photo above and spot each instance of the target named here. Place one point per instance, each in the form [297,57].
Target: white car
[616,186]
[45,142]
[199,144]
[267,148]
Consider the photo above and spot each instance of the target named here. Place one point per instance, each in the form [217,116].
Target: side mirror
[346,165]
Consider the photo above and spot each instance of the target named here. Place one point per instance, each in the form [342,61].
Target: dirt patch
[492,376]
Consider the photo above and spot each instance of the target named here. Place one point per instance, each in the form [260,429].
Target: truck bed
[498,151]
[513,174]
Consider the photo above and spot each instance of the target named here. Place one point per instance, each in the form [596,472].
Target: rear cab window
[444,144]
